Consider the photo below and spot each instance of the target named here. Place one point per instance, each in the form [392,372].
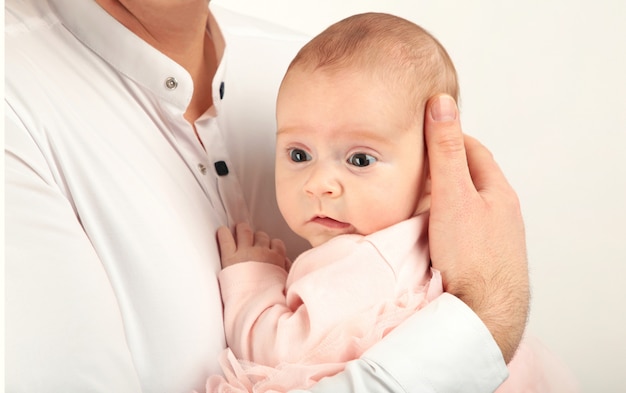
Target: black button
[221,168]
[222,91]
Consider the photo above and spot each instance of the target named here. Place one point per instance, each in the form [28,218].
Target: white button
[171,83]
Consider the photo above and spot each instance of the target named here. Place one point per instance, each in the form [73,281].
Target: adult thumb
[447,158]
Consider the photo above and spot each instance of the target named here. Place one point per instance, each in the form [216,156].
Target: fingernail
[443,108]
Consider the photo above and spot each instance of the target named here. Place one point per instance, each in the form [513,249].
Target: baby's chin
[317,241]
[321,238]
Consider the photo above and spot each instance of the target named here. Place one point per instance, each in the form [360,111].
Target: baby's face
[349,155]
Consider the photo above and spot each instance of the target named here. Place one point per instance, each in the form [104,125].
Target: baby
[352,179]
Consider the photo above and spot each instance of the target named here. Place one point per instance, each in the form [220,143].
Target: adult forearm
[501,302]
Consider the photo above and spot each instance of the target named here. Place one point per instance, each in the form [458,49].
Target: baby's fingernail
[443,108]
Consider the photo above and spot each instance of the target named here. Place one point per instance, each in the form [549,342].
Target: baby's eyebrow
[354,134]
[295,130]
[368,135]
[283,131]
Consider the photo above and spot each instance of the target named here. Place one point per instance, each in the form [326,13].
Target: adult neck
[177,28]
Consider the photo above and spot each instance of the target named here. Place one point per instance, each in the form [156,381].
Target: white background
[543,85]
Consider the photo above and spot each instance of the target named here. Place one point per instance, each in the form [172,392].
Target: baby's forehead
[389,74]
[401,100]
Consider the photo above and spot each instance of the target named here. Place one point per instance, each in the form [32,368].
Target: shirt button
[171,83]
[221,168]
[222,91]
[202,168]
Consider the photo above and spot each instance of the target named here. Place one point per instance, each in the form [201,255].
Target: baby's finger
[226,241]
[261,239]
[245,236]
[278,246]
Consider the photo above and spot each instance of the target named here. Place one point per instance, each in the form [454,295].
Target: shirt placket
[219,167]
[197,157]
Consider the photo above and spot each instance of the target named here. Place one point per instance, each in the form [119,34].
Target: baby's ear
[423,203]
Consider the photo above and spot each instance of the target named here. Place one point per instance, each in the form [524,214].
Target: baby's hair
[399,50]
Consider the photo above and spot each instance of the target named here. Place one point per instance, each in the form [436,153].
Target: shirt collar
[125,51]
[413,235]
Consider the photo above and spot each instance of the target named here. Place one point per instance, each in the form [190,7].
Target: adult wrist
[502,305]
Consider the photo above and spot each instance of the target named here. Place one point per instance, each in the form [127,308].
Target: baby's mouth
[329,222]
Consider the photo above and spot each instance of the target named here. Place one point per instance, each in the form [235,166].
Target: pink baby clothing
[535,369]
[290,330]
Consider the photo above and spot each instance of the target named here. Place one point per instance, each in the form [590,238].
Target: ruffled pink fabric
[535,369]
[343,333]
[345,342]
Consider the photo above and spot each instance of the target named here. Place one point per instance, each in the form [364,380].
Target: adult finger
[449,171]
[486,173]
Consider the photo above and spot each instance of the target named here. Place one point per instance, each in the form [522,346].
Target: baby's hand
[248,246]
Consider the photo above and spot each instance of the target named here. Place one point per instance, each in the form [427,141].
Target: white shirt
[112,207]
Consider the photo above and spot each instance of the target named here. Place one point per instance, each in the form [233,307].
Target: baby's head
[350,154]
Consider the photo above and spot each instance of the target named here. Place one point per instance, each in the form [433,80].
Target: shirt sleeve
[63,329]
[443,348]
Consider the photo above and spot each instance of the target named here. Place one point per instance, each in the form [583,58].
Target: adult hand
[476,231]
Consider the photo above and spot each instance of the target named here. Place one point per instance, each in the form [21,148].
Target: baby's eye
[361,159]
[299,155]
